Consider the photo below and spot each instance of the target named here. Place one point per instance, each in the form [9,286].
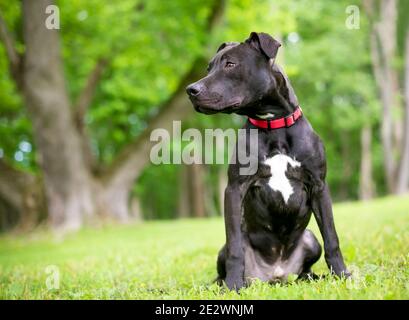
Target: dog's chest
[283,170]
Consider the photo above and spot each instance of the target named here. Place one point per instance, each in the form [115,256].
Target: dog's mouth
[212,106]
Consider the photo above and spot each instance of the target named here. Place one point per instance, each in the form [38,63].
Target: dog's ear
[227,44]
[286,92]
[264,43]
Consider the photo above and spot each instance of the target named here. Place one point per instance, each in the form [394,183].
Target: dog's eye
[230,65]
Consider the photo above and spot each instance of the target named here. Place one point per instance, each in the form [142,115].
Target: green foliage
[330,68]
[176,260]
[15,128]
[163,204]
[151,44]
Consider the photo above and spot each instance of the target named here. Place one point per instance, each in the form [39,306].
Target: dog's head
[243,78]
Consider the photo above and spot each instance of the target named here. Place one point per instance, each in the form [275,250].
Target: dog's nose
[193,89]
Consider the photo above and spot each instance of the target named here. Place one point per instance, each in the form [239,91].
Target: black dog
[266,214]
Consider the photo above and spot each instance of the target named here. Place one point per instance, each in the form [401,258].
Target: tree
[21,201]
[403,173]
[383,41]
[366,185]
[122,70]
[75,191]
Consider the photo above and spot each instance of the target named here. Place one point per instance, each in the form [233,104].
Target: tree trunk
[403,175]
[136,210]
[366,186]
[184,193]
[344,188]
[383,51]
[113,200]
[67,181]
[193,193]
[198,194]
[22,199]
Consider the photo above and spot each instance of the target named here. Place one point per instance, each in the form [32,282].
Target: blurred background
[78,104]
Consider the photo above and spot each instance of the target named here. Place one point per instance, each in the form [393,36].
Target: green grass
[176,260]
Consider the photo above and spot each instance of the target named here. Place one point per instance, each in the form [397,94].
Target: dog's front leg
[233,199]
[322,208]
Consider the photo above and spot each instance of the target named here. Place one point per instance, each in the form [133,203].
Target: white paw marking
[278,272]
[279,181]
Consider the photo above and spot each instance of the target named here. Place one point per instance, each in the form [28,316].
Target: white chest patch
[278,180]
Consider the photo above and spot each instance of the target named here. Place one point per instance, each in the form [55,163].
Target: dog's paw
[234,283]
[346,274]
[342,273]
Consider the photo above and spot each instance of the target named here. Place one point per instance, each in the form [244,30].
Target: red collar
[278,123]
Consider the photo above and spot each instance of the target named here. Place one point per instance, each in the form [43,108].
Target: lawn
[176,260]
